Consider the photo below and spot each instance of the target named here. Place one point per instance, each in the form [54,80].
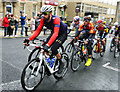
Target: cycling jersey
[102,30]
[74,25]
[89,27]
[56,26]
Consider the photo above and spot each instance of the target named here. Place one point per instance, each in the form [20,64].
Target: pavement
[19,33]
[103,74]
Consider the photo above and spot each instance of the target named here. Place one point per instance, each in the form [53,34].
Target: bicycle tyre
[111,45]
[102,52]
[69,45]
[28,65]
[95,52]
[77,58]
[116,51]
[61,75]
[33,51]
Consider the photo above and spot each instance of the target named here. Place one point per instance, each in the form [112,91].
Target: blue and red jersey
[56,26]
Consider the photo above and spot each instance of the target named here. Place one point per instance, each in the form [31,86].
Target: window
[8,7]
[100,10]
[105,11]
[109,10]
[95,8]
[88,8]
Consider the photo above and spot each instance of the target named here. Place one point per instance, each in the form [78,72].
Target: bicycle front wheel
[102,48]
[69,50]
[75,60]
[35,53]
[29,78]
[95,51]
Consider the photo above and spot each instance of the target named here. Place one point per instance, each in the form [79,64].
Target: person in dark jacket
[16,25]
[11,26]
[6,24]
[22,23]
[37,22]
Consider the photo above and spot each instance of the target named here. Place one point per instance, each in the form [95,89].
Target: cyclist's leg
[58,42]
[89,47]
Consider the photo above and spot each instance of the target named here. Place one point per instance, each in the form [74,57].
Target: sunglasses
[46,13]
[86,20]
[75,21]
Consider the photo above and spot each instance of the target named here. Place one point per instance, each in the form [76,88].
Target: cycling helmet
[99,21]
[116,24]
[46,8]
[76,18]
[104,22]
[87,18]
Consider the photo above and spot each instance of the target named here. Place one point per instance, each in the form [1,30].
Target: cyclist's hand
[98,38]
[86,41]
[26,41]
[109,35]
[103,39]
[46,47]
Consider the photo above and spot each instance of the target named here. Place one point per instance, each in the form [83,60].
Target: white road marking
[11,64]
[9,83]
[110,67]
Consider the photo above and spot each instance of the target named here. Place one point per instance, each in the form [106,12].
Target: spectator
[0,21]
[27,24]
[6,24]
[32,25]
[22,23]
[40,15]
[11,26]
[16,25]
[37,22]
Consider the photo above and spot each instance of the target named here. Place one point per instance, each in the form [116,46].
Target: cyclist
[58,32]
[107,27]
[116,31]
[87,32]
[76,23]
[102,32]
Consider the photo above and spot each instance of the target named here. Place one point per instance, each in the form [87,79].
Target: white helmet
[76,18]
[116,24]
[46,8]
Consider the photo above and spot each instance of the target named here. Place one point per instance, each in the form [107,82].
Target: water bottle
[50,61]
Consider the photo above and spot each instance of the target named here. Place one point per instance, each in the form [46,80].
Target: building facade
[31,7]
[98,9]
[117,17]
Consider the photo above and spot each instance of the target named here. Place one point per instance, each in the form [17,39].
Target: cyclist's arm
[71,27]
[80,29]
[37,32]
[56,31]
[92,32]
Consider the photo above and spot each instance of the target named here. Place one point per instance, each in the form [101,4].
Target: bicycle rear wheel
[116,51]
[75,61]
[65,60]
[29,79]
[35,53]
